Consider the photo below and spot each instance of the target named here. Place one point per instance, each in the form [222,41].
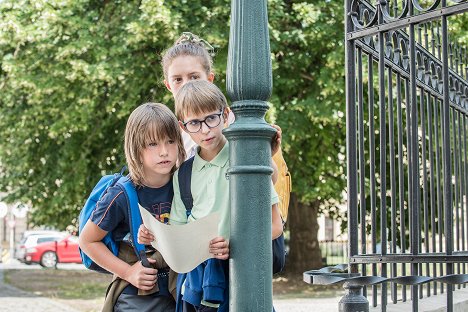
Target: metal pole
[414,156]
[249,85]
[383,158]
[353,300]
[448,205]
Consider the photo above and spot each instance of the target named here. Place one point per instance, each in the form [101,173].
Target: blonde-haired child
[153,147]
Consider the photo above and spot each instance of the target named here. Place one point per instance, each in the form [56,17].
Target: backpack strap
[185,178]
[134,216]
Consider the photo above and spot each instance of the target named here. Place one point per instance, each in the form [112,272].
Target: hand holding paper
[219,247]
[183,247]
[145,237]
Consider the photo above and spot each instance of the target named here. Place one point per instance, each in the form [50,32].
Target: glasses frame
[204,121]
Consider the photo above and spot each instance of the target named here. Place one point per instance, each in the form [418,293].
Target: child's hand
[145,237]
[141,277]
[276,141]
[219,247]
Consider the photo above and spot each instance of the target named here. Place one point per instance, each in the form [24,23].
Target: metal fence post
[353,300]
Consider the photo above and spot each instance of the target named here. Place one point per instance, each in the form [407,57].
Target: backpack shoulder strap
[185,178]
[134,215]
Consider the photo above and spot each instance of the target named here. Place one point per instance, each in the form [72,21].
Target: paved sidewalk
[16,300]
[307,305]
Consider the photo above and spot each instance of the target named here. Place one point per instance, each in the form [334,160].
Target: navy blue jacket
[209,282]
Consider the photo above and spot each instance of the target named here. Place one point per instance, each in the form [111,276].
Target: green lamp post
[249,85]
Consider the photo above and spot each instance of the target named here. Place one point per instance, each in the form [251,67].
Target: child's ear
[211,77]
[168,87]
[226,112]
[181,125]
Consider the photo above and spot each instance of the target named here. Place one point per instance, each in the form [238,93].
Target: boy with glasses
[202,112]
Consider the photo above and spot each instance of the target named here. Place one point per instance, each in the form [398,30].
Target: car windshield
[73,239]
[47,239]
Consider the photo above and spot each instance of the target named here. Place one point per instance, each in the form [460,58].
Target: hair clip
[189,37]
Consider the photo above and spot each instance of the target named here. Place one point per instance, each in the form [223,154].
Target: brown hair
[189,44]
[198,97]
[149,122]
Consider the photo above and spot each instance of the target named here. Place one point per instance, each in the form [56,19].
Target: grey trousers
[127,303]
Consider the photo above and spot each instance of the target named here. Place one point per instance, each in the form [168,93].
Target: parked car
[38,232]
[33,238]
[48,254]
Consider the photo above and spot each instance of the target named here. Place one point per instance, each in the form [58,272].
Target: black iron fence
[407,150]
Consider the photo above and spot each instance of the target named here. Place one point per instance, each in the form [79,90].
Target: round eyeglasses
[211,121]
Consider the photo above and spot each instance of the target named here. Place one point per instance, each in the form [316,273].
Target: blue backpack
[133,212]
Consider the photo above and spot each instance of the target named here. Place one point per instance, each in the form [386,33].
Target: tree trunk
[304,250]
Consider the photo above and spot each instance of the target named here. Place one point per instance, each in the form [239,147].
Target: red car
[48,254]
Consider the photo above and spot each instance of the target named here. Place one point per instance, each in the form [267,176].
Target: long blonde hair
[149,122]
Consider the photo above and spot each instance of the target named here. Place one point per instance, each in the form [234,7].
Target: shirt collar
[220,160]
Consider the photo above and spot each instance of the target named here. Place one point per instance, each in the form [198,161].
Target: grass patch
[61,284]
[84,291]
[288,286]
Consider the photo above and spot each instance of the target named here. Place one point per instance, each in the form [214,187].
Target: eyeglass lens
[211,121]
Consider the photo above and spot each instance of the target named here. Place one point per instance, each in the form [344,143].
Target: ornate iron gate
[407,150]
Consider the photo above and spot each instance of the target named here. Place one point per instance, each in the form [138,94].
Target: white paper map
[183,247]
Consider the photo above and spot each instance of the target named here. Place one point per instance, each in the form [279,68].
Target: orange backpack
[283,184]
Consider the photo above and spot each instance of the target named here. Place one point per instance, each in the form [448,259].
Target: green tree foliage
[307,42]
[72,71]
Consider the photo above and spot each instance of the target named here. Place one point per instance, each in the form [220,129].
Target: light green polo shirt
[210,192]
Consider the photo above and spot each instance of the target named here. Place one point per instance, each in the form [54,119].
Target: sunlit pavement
[307,305]
[15,300]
